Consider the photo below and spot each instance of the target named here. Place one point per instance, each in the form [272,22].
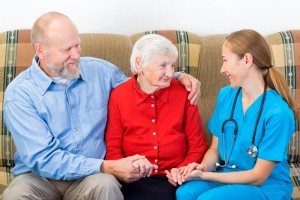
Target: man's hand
[123,169]
[192,85]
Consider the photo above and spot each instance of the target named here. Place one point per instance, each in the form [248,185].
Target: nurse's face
[233,66]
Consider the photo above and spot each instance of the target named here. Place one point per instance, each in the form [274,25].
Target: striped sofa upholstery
[285,47]
[199,56]
[15,55]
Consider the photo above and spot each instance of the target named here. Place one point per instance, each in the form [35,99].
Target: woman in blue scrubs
[252,124]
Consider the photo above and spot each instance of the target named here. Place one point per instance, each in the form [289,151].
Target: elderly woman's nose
[169,71]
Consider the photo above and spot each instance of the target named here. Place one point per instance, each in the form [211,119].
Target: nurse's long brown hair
[250,41]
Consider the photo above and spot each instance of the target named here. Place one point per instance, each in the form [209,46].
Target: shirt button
[156,160]
[155,147]
[75,129]
[152,96]
[77,146]
[154,133]
[153,120]
[152,105]
[156,171]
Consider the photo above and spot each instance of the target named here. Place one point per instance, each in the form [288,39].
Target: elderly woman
[150,115]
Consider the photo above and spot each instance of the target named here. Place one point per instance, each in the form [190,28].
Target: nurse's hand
[190,167]
[195,175]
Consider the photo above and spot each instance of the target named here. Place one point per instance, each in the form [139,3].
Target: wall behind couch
[131,16]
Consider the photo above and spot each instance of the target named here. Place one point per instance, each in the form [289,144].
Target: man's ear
[39,50]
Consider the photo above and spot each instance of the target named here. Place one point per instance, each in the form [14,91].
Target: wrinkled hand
[144,166]
[192,85]
[123,168]
[174,176]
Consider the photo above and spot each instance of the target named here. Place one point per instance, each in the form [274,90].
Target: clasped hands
[132,168]
[135,167]
[193,171]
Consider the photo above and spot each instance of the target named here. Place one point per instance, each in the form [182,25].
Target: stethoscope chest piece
[252,151]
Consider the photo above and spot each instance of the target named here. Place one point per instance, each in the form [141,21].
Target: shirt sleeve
[37,148]
[279,128]
[177,74]
[196,142]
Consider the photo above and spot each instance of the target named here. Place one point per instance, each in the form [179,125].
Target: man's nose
[75,53]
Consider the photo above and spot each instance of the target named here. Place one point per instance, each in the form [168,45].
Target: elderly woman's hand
[174,176]
[177,176]
[192,85]
[144,166]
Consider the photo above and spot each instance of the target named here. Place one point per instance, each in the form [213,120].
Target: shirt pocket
[96,113]
[96,105]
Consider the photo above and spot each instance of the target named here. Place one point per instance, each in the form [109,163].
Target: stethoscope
[252,150]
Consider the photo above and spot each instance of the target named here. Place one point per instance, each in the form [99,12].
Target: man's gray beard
[64,72]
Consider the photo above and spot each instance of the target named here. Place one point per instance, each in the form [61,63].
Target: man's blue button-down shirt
[59,129]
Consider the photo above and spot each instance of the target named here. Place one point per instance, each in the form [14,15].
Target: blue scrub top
[274,130]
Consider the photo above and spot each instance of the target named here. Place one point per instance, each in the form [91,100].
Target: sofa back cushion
[285,48]
[15,55]
[111,47]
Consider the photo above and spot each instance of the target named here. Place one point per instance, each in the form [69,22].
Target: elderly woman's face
[158,72]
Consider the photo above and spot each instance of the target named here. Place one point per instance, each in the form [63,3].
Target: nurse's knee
[184,193]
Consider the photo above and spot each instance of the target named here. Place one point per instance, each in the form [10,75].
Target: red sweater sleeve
[196,142]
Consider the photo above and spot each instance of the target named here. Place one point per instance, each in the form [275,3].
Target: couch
[199,56]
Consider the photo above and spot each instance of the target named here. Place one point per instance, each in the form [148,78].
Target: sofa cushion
[114,48]
[15,55]
[285,48]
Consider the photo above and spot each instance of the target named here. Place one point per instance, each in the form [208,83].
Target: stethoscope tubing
[252,150]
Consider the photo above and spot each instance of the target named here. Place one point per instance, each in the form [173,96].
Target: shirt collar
[140,96]
[41,78]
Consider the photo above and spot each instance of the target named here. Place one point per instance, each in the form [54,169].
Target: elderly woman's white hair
[150,46]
